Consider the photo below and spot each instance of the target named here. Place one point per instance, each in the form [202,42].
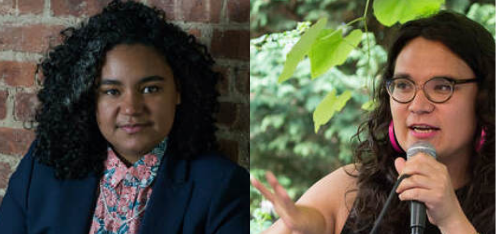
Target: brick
[17,74]
[30,38]
[233,44]
[239,10]
[77,7]
[7,7]
[243,119]
[168,6]
[242,78]
[3,104]
[195,10]
[15,141]
[230,149]
[215,10]
[227,114]
[30,6]
[25,106]
[5,172]
[223,84]
[234,116]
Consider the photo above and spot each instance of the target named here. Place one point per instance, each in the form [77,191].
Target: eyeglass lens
[437,89]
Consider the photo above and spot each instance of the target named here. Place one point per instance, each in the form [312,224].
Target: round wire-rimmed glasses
[437,89]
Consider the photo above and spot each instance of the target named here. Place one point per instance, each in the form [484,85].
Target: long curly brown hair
[68,138]
[375,156]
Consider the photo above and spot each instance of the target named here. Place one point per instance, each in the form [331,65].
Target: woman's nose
[421,104]
[132,104]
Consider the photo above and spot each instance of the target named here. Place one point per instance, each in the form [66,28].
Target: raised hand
[299,219]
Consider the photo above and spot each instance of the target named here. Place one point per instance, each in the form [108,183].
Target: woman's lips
[133,128]
[423,131]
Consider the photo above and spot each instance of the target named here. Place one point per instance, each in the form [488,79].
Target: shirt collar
[141,173]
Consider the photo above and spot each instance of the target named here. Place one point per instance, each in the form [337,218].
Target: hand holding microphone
[430,184]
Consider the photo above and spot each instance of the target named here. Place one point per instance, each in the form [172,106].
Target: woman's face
[136,99]
[448,126]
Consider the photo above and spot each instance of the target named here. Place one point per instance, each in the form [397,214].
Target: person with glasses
[438,87]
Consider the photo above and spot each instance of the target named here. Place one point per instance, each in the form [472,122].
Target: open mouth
[423,128]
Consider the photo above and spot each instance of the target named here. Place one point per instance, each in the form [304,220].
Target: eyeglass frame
[452,81]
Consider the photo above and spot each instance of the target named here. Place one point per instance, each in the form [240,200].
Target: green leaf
[328,106]
[300,49]
[369,105]
[389,12]
[331,49]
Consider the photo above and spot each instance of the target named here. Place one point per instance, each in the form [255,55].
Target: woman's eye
[111,92]
[150,89]
[402,86]
[443,88]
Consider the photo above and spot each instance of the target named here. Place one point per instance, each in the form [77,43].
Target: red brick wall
[28,27]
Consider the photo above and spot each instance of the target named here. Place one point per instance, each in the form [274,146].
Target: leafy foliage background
[282,134]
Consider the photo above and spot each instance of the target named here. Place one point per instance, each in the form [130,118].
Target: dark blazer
[209,194]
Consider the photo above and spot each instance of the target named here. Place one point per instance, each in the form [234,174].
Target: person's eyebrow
[407,76]
[151,79]
[401,75]
[111,81]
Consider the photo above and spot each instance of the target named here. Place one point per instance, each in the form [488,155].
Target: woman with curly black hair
[125,136]
[438,88]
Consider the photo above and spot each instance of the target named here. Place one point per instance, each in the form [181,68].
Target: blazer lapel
[169,198]
[77,204]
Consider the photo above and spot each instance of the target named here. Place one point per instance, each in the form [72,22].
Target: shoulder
[334,185]
[216,168]
[212,161]
[15,202]
[222,188]
[333,195]
[29,167]
[25,167]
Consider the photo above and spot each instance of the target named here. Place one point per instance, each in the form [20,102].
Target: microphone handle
[417,230]
[418,217]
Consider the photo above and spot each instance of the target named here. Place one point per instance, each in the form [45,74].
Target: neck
[128,160]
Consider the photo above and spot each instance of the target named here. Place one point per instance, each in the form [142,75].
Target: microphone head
[423,147]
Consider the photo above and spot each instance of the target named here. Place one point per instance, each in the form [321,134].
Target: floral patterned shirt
[124,192]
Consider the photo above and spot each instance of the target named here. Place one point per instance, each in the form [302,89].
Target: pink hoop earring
[393,140]
[480,143]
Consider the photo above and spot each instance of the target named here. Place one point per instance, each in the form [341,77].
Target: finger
[416,194]
[420,164]
[415,181]
[399,164]
[263,190]
[278,189]
[271,178]
[283,196]
[429,197]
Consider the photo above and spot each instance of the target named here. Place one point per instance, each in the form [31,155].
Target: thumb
[399,164]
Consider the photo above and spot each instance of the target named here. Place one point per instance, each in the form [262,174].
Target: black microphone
[418,209]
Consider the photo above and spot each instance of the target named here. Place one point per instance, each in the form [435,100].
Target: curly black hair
[375,155]
[68,138]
